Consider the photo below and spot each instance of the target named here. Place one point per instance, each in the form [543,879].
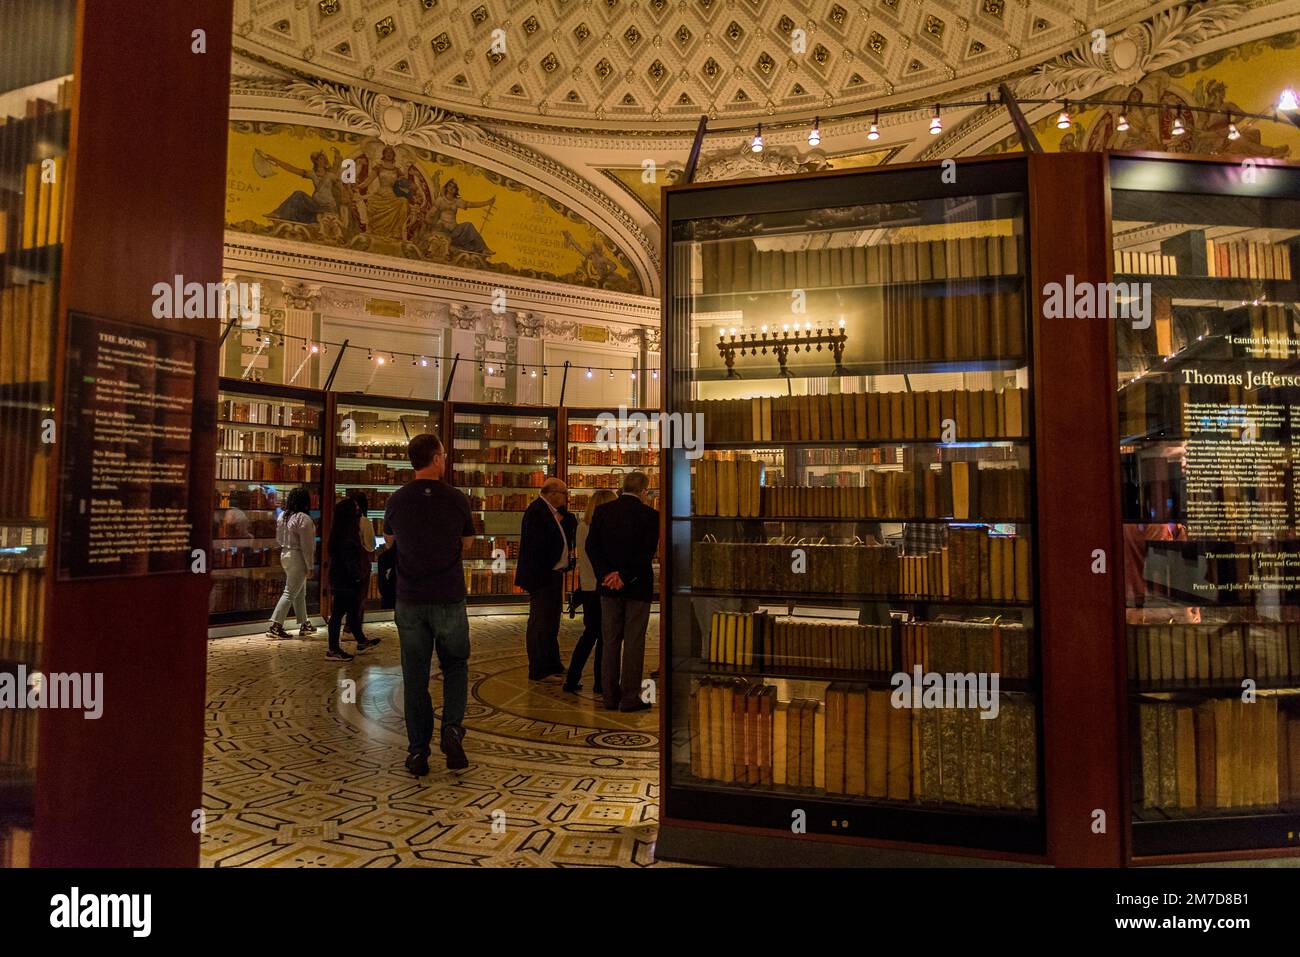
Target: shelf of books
[370,457]
[500,456]
[603,445]
[35,122]
[1207,395]
[849,592]
[270,440]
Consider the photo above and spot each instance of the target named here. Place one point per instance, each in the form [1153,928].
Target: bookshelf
[853,515]
[270,439]
[599,450]
[369,457]
[1207,514]
[500,456]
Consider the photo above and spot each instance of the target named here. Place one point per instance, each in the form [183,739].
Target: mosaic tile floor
[304,770]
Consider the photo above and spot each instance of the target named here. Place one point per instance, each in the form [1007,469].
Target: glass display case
[370,458]
[857,522]
[1208,377]
[500,456]
[270,440]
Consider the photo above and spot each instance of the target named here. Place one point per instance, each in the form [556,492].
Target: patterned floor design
[303,769]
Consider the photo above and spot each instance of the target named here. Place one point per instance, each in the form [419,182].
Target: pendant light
[1063,121]
[936,124]
[873,134]
[815,134]
[1178,129]
[756,144]
[1122,125]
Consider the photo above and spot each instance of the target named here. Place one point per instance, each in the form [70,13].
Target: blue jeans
[421,630]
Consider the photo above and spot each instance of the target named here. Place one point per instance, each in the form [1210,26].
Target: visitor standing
[295,533]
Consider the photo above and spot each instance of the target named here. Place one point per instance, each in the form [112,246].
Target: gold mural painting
[1242,78]
[343,189]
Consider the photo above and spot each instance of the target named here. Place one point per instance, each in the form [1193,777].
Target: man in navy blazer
[545,550]
[622,543]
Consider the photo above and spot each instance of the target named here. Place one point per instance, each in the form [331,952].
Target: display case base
[732,848]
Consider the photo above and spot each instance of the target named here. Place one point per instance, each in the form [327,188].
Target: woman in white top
[295,533]
[591,635]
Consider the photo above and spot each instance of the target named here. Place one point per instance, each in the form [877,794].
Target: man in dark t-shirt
[431,525]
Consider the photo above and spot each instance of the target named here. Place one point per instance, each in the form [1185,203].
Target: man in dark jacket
[544,553]
[622,543]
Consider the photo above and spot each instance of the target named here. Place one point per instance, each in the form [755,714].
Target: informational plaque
[128,426]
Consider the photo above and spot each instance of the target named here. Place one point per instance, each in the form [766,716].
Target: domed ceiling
[659,64]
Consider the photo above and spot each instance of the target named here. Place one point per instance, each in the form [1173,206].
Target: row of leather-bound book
[856,743]
[15,847]
[739,266]
[1213,653]
[275,443]
[589,456]
[23,490]
[243,593]
[257,412]
[26,332]
[22,605]
[958,490]
[484,581]
[868,416]
[1223,753]
[18,736]
[760,640]
[506,479]
[236,468]
[974,565]
[941,328]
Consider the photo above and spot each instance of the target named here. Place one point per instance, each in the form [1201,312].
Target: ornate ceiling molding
[369,272]
[621,65]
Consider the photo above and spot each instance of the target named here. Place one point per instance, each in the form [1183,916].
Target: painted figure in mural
[326,198]
[596,266]
[388,206]
[446,204]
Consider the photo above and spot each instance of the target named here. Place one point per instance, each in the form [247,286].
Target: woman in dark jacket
[349,565]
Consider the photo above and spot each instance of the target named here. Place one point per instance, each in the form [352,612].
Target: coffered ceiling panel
[660,63]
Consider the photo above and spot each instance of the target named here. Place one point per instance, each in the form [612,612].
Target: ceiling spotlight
[370,355]
[632,373]
[315,349]
[1177,129]
[1063,121]
[815,134]
[874,133]
[1122,125]
[1233,132]
[424,362]
[611,373]
[655,374]
[756,144]
[532,374]
[1288,101]
[381,360]
[489,370]
[588,372]
[936,124]
[412,360]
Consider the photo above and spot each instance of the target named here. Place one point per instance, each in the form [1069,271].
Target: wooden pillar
[146,202]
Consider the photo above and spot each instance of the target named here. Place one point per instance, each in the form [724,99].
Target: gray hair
[635,483]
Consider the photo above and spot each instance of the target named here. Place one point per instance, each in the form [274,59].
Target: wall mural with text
[294,182]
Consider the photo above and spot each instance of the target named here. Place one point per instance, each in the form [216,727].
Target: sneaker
[417,764]
[366,643]
[307,629]
[338,654]
[277,631]
[452,734]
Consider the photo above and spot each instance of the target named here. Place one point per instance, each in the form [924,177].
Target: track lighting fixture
[1063,121]
[936,124]
[873,134]
[756,144]
[1178,129]
[1122,125]
[815,134]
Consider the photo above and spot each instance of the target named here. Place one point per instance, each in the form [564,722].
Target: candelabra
[731,344]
